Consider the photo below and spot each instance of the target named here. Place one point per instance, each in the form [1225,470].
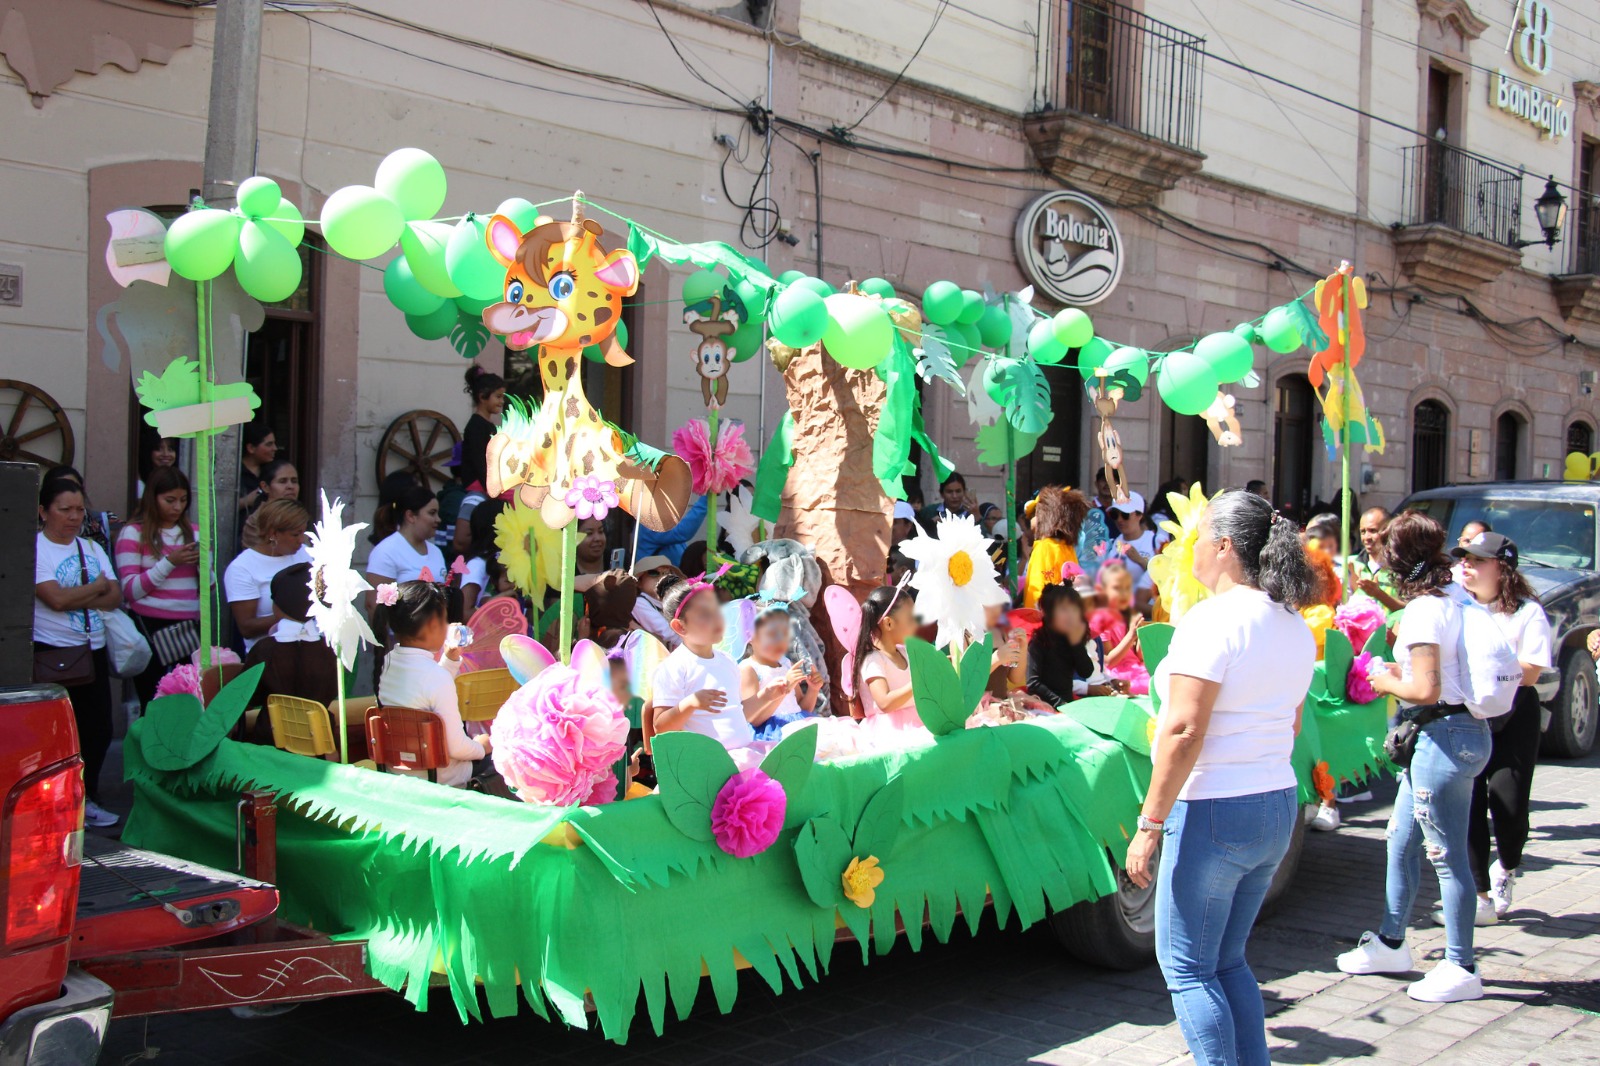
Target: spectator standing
[158,560]
[404,554]
[258,446]
[247,583]
[488,392]
[1365,572]
[1135,545]
[154,452]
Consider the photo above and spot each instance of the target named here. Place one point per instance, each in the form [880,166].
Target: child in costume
[1057,515]
[1117,625]
[792,688]
[882,672]
[1065,660]
[420,671]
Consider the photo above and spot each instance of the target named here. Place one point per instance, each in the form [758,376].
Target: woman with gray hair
[1222,798]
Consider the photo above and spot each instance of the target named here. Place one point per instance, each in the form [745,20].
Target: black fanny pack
[1401,742]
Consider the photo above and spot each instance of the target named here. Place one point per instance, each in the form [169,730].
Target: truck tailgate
[132,900]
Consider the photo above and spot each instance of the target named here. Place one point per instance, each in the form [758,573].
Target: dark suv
[1553,523]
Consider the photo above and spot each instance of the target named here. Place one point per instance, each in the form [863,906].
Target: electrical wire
[690,67]
[938,13]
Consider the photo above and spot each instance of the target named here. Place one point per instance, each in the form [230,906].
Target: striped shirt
[151,585]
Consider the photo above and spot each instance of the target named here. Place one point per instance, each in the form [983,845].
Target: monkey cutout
[712,356]
[1105,404]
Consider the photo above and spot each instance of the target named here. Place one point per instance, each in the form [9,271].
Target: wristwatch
[1150,824]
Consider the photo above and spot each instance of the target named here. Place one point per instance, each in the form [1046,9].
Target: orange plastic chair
[481,693]
[301,726]
[408,739]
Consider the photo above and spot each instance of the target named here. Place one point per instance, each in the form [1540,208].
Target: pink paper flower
[557,737]
[719,471]
[605,790]
[1358,620]
[748,814]
[1070,571]
[388,593]
[591,497]
[185,677]
[219,656]
[1356,686]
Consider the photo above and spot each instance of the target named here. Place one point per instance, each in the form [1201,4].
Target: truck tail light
[43,838]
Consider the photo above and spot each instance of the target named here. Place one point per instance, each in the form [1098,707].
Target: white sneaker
[1502,883]
[1447,983]
[1360,797]
[1484,913]
[98,816]
[1372,955]
[1326,819]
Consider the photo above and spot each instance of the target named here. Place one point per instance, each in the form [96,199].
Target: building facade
[1239,154]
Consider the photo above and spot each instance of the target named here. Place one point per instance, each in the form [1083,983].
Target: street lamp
[1551,211]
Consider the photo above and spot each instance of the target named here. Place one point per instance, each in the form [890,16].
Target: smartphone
[617,557]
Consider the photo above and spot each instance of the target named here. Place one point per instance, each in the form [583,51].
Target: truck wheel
[1116,931]
[1573,714]
[1287,868]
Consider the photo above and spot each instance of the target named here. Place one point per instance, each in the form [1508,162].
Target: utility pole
[230,158]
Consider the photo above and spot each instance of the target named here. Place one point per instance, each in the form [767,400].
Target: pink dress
[1111,627]
[877,664]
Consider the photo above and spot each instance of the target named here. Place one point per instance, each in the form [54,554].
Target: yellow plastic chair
[482,693]
[301,726]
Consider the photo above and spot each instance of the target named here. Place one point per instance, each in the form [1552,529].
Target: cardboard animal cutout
[713,354]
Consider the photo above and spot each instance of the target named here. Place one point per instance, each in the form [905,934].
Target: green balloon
[200,245]
[879,287]
[1279,331]
[799,317]
[701,286]
[414,180]
[424,244]
[287,220]
[266,265]
[964,334]
[745,341]
[405,291]
[436,324]
[789,277]
[751,299]
[258,196]
[520,211]
[859,334]
[1188,383]
[1043,345]
[816,285]
[1247,330]
[972,307]
[469,264]
[1229,354]
[359,222]
[1092,356]
[941,302]
[995,379]
[468,305]
[1131,361]
[1073,328]
[995,326]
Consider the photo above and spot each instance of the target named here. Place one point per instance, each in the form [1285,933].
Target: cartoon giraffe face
[562,289]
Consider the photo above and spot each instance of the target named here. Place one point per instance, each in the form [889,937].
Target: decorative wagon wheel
[36,430]
[421,442]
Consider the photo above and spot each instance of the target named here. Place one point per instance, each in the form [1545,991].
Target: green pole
[569,564]
[1012,532]
[205,477]
[1344,444]
[711,497]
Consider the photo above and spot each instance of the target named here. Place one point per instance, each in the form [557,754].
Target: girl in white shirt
[416,675]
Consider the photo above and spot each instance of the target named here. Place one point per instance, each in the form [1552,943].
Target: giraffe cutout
[563,293]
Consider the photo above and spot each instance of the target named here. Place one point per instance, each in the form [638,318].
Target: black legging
[1501,792]
[91,706]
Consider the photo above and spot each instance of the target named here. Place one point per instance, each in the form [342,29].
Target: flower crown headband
[698,585]
[898,586]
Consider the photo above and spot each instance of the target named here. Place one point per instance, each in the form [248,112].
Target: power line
[938,13]
[690,67]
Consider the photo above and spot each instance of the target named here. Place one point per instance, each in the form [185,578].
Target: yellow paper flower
[861,880]
[528,549]
[955,578]
[1319,616]
[1173,570]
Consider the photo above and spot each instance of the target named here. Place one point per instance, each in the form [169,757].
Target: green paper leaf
[891,444]
[1378,645]
[880,824]
[791,761]
[975,665]
[936,688]
[223,713]
[941,466]
[169,723]
[1154,640]
[468,336]
[934,359]
[176,386]
[691,769]
[1337,655]
[822,851]
[1028,401]
[767,500]
[1311,333]
[991,442]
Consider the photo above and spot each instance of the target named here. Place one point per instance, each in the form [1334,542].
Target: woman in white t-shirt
[1222,800]
[281,526]
[1502,791]
[1431,809]
[404,554]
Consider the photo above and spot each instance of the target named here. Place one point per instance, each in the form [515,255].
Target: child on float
[792,688]
[882,671]
[1065,660]
[1056,516]
[1117,624]
[1008,662]
[420,671]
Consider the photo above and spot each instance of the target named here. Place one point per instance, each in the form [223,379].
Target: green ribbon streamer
[774,471]
[891,444]
[708,255]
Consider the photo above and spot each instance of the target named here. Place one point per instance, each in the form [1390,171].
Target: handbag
[1400,743]
[172,643]
[72,666]
[126,648]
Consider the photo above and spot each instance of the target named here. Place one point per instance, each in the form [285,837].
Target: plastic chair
[481,693]
[408,739]
[301,726]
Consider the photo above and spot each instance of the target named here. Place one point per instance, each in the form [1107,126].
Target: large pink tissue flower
[1356,686]
[719,472]
[557,737]
[1358,620]
[747,814]
[184,677]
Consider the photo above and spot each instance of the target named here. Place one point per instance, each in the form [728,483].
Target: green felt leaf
[935,687]
[176,386]
[881,820]
[822,851]
[975,666]
[991,442]
[791,761]
[1378,645]
[468,336]
[767,501]
[691,769]
[169,723]
[223,713]
[1154,640]
[1337,655]
[1027,402]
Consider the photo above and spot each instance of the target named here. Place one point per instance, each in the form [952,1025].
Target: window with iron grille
[1430,442]
[1580,438]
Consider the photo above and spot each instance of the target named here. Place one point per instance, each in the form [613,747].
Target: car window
[1556,533]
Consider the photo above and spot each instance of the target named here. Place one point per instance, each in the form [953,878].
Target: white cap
[902,509]
[1001,529]
[1133,504]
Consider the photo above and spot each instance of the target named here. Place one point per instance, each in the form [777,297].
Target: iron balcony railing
[1444,184]
[1121,66]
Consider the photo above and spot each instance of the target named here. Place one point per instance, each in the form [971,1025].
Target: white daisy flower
[955,579]
[738,523]
[336,585]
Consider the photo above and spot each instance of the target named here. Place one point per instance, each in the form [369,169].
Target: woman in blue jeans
[1431,812]
[1222,798]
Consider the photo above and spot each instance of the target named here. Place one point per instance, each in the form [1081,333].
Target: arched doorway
[1294,436]
[1507,446]
[1430,443]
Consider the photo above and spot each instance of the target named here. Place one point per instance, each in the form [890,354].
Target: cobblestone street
[1013,997]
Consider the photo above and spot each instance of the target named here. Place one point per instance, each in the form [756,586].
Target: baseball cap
[1489,546]
[902,509]
[1134,504]
[649,563]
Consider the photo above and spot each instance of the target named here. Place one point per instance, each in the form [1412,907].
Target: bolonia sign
[1068,246]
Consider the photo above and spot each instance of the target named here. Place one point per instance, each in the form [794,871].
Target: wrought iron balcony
[1452,187]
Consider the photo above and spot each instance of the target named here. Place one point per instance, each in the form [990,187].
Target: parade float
[585,897]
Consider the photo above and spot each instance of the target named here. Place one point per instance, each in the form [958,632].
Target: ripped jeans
[1431,814]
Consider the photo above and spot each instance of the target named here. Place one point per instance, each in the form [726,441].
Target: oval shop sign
[1068,245]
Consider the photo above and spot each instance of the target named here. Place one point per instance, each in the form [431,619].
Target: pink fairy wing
[847,675]
[524,657]
[500,617]
[643,653]
[845,614]
[739,625]
[589,659]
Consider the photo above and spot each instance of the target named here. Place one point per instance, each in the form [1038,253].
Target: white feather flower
[955,578]
[336,585]
[738,523]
